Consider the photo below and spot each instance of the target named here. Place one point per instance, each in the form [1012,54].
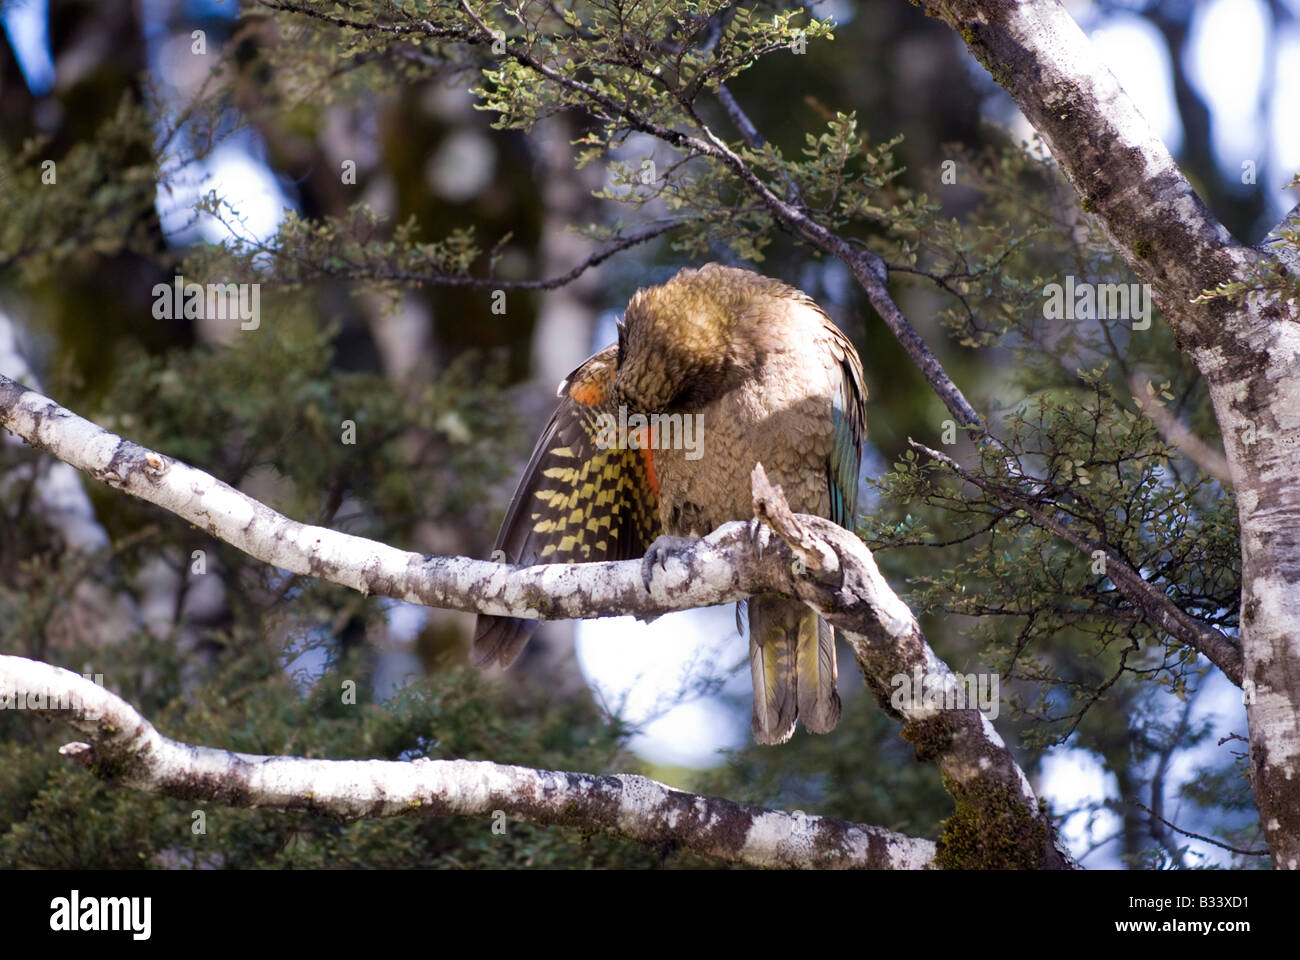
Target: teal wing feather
[849,430]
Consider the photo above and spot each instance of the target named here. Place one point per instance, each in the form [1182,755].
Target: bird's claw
[760,535]
[658,553]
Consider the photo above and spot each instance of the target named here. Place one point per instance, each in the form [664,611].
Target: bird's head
[686,341]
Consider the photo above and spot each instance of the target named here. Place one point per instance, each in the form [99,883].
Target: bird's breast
[781,419]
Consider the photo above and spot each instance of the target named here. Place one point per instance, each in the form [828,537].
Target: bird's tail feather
[819,701]
[792,659]
[499,640]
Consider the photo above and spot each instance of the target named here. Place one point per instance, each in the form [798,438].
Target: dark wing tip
[567,460]
[499,640]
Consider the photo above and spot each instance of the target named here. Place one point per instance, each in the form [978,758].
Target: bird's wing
[849,430]
[583,497]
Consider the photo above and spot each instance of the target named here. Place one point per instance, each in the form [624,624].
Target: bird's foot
[658,554]
[760,535]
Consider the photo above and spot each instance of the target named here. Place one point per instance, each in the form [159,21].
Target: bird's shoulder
[591,382]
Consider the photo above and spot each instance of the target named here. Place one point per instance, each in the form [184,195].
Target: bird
[762,375]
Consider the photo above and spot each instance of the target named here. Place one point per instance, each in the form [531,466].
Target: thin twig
[1197,836]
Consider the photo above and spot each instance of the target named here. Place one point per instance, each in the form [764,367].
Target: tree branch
[127,749]
[1244,347]
[1155,606]
[834,573]
[467,280]
[1204,839]
[1172,429]
[60,500]
[1272,243]
[60,497]
[1120,168]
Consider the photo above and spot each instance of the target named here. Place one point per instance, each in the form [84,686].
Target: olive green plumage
[766,377]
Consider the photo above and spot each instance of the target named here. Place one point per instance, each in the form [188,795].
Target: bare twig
[1196,450]
[1156,607]
[1197,836]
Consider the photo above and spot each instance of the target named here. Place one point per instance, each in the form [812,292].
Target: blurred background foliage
[408,205]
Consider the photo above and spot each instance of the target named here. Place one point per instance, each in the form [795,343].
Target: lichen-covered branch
[998,821]
[719,569]
[125,748]
[1274,242]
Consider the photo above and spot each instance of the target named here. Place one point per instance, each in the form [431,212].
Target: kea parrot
[767,378]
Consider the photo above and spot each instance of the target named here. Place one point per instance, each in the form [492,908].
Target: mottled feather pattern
[768,378]
[576,502]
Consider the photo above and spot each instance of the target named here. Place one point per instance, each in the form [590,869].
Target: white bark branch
[60,497]
[1273,243]
[127,749]
[60,501]
[837,577]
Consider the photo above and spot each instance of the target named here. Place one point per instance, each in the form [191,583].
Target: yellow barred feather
[581,499]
